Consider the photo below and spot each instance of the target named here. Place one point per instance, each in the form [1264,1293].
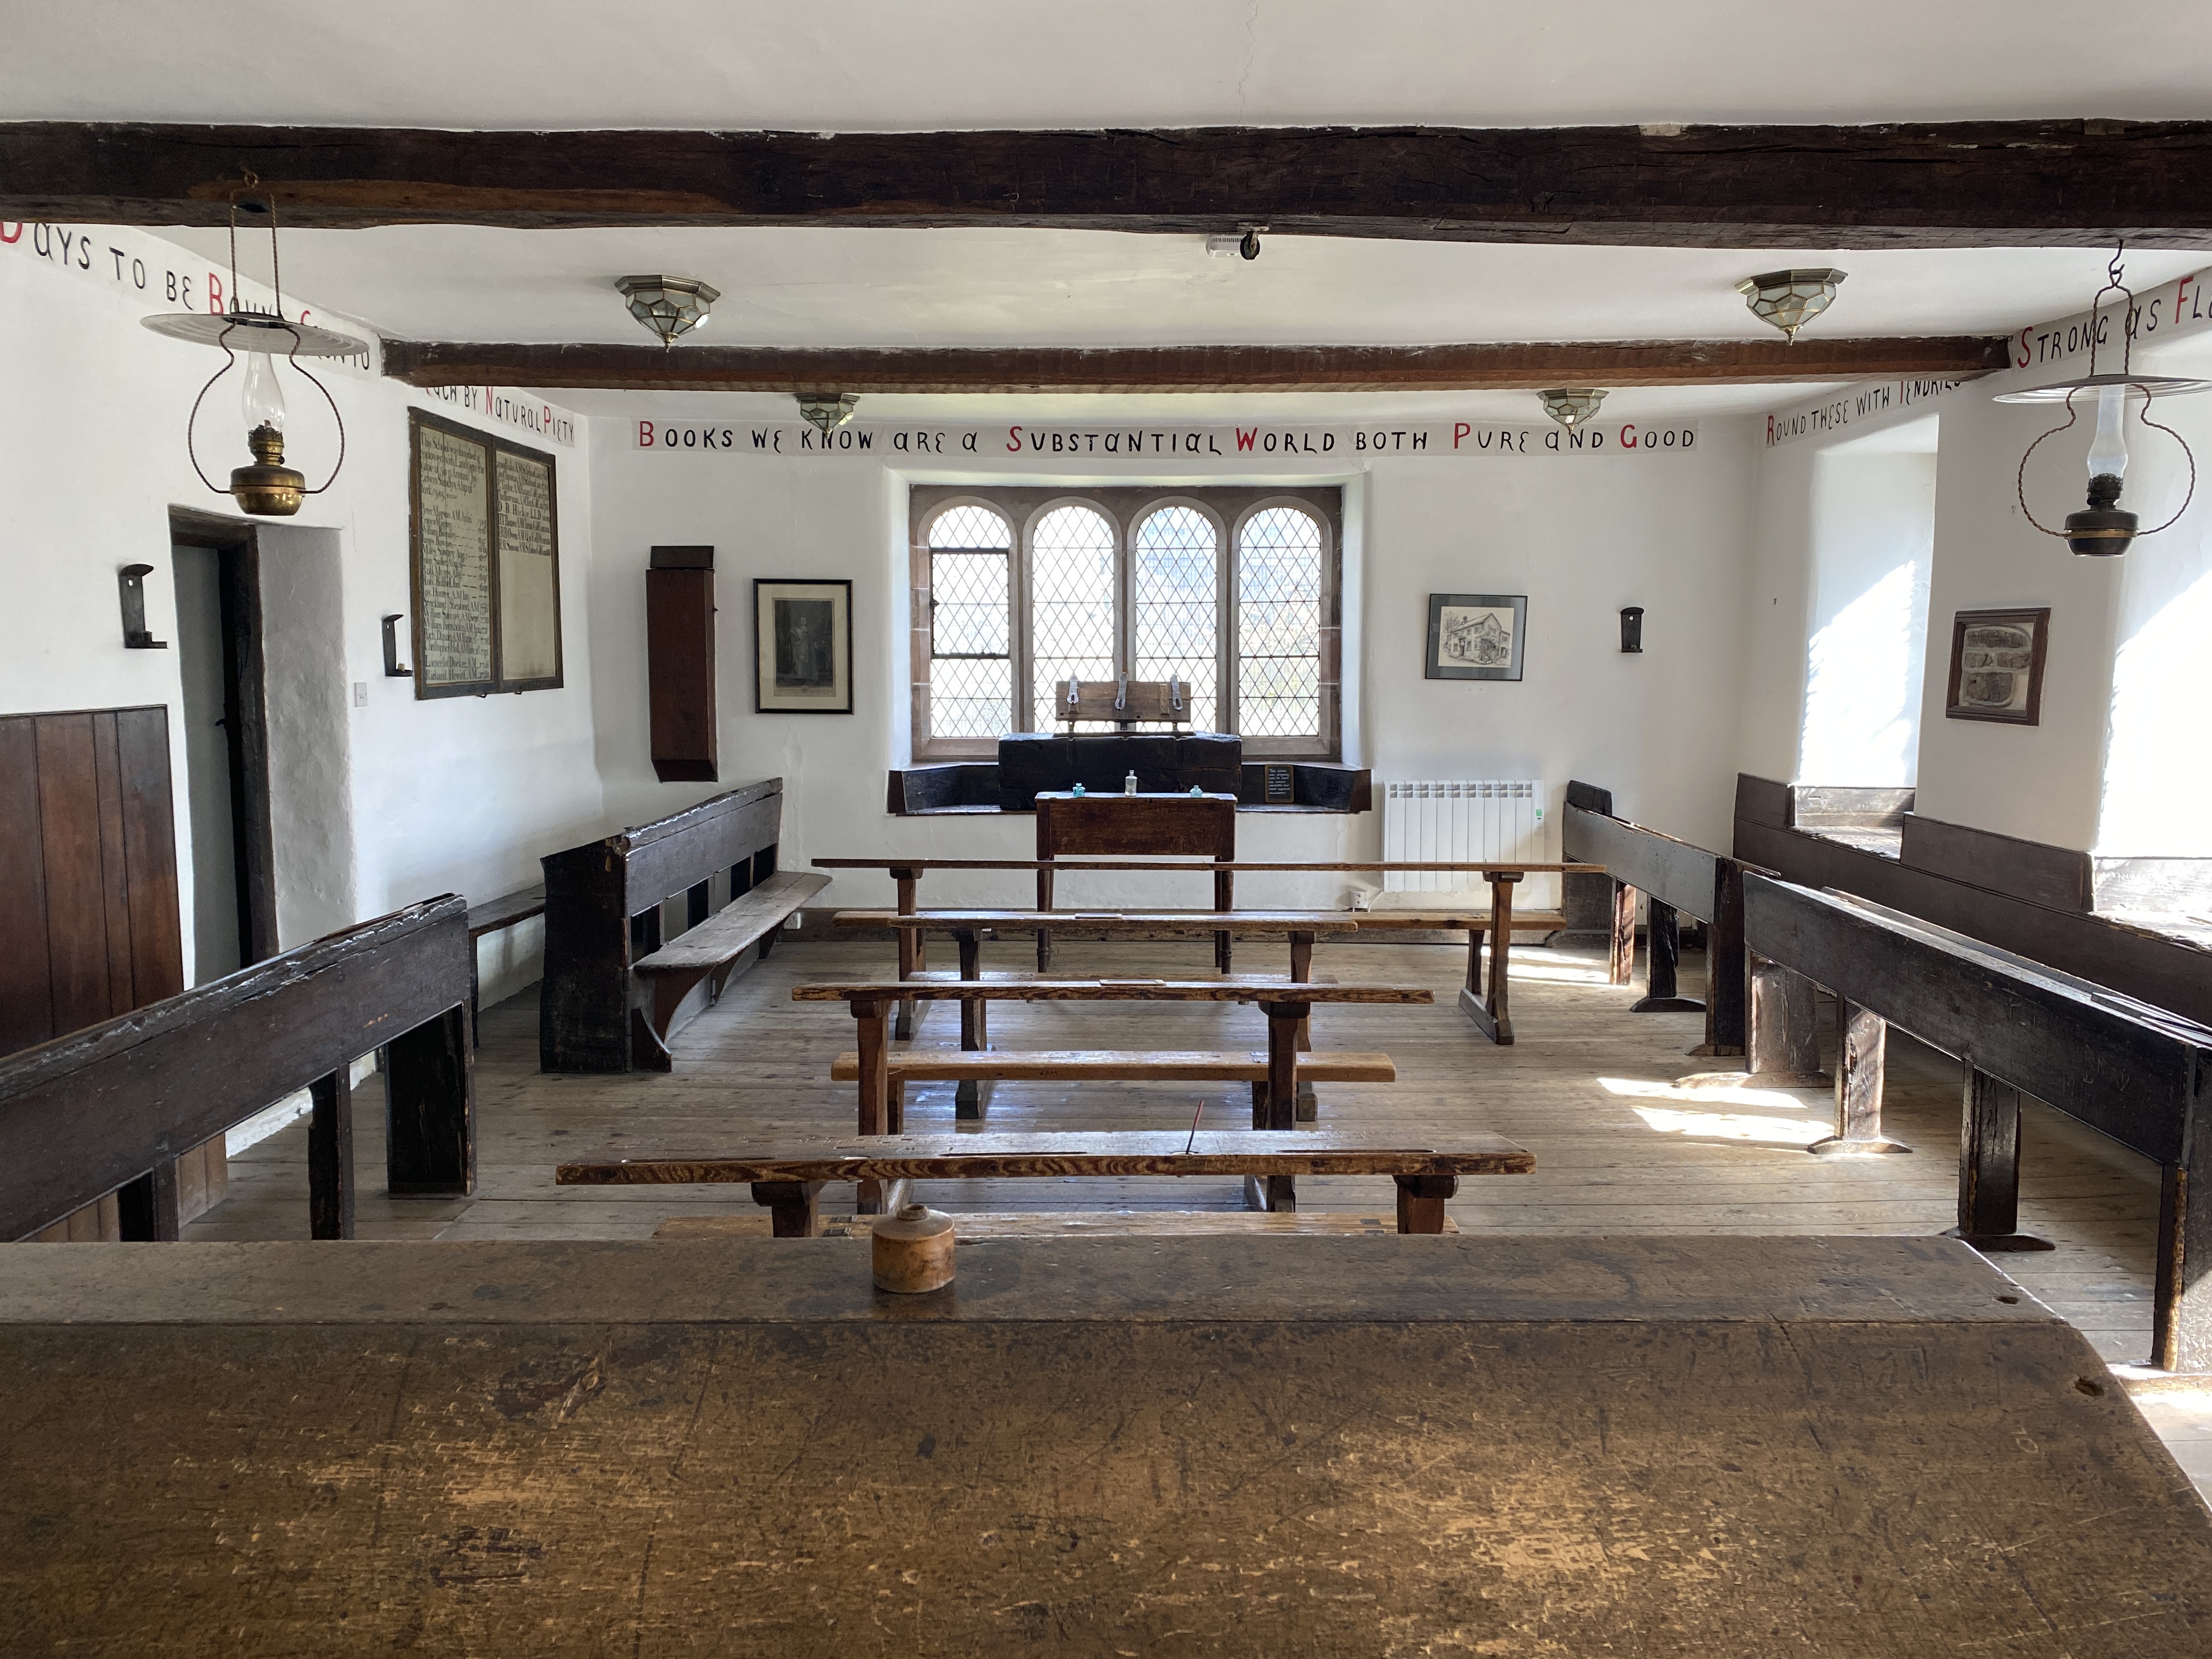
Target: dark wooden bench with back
[2137,1073]
[614,993]
[108,1108]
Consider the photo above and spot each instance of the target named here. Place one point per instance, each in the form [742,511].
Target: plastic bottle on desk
[1129,783]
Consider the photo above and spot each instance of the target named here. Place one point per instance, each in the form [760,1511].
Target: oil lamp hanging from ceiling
[265,486]
[2104,528]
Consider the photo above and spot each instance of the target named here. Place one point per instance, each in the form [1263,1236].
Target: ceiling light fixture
[827,410]
[1571,405]
[1789,299]
[668,306]
[2104,528]
[265,488]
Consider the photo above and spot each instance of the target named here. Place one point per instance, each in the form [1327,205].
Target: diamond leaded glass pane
[1177,603]
[1071,604]
[1278,574]
[971,675]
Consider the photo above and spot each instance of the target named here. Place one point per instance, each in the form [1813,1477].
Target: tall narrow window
[1178,605]
[1279,591]
[1072,609]
[971,666]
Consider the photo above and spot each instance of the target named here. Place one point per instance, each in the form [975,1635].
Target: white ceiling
[859,65]
[854,64]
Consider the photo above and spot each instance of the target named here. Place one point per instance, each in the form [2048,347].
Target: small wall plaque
[1280,788]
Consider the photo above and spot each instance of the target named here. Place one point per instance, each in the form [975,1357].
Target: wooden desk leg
[1224,890]
[430,1109]
[968,1095]
[329,1157]
[1421,1201]
[1858,1088]
[1044,935]
[909,950]
[1282,1020]
[146,1209]
[1620,966]
[875,1113]
[1989,1168]
[1490,1013]
[1784,1040]
[2181,1322]
[1302,948]
[794,1207]
[1727,967]
[1666,954]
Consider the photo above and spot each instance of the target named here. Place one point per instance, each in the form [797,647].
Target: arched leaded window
[1073,613]
[1278,618]
[1177,588]
[971,656]
[1231,589]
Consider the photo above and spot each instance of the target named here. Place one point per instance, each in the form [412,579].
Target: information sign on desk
[486,563]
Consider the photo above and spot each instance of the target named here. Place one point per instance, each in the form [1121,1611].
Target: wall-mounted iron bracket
[393,668]
[130,579]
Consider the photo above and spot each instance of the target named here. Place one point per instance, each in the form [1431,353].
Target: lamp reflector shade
[1789,299]
[669,307]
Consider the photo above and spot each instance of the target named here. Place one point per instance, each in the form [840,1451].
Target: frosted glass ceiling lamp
[669,307]
[1571,405]
[266,487]
[827,410]
[1789,299]
[2104,528]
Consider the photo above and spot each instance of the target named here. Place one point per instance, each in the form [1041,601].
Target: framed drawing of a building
[802,647]
[484,555]
[1476,636]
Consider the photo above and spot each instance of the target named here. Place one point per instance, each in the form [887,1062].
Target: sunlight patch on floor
[1784,1100]
[1733,1126]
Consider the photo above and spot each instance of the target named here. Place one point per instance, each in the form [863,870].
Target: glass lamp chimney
[2108,450]
[262,399]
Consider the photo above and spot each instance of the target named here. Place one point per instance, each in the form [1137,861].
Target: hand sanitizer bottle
[1129,783]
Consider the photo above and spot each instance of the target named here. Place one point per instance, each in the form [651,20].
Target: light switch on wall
[361,694]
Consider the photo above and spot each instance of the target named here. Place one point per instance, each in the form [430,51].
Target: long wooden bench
[496,916]
[1485,998]
[2132,1071]
[604,906]
[710,952]
[1096,1065]
[105,1107]
[788,1180]
[1286,1005]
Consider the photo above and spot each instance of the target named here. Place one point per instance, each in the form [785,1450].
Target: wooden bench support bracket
[1664,961]
[1858,1089]
[1989,1168]
[1421,1201]
[1784,1046]
[329,1157]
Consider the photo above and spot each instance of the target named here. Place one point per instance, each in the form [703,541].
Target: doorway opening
[217,565]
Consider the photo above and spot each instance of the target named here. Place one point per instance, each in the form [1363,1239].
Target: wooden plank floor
[1590,1088]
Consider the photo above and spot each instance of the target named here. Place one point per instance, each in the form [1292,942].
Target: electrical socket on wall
[361,694]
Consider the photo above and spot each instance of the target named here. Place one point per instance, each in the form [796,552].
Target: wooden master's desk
[1707,1447]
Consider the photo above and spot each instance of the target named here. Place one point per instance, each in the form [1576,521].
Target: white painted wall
[1581,536]
[375,806]
[2106,767]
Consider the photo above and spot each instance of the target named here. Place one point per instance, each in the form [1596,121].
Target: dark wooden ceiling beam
[1951,184]
[1191,368]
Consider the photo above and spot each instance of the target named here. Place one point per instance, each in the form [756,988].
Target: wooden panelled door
[88,907]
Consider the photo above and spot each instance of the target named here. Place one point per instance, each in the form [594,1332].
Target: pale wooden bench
[1071,1224]
[1286,1002]
[788,1180]
[945,1066]
[709,953]
[1302,927]
[1485,1005]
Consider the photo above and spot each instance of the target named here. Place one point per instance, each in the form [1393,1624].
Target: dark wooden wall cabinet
[679,648]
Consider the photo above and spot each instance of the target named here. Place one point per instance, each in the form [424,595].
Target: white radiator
[1440,820]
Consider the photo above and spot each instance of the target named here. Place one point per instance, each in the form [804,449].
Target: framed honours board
[485,551]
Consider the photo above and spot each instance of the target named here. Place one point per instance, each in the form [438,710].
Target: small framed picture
[802,647]
[1476,636]
[1996,665]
